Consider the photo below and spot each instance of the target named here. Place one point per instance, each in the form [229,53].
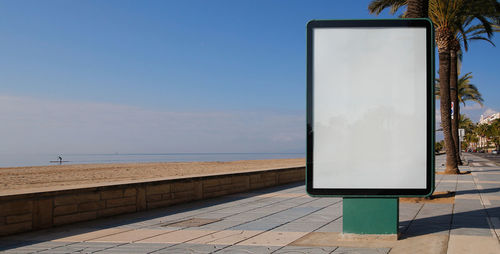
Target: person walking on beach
[60,159]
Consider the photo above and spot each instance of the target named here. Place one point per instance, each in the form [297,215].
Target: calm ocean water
[13,160]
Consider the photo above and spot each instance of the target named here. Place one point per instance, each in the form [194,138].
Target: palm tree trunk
[444,75]
[417,9]
[454,98]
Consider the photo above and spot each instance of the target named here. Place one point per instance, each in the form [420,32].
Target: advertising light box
[370,107]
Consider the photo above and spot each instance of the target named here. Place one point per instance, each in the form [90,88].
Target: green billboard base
[370,216]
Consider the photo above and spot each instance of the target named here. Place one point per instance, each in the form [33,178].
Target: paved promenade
[286,220]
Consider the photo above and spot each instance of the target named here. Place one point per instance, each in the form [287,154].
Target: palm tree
[494,131]
[471,138]
[466,123]
[468,126]
[448,17]
[465,31]
[482,131]
[466,90]
[445,15]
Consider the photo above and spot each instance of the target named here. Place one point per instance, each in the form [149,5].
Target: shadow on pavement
[490,190]
[463,220]
[484,170]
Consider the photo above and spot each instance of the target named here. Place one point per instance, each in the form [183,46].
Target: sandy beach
[43,177]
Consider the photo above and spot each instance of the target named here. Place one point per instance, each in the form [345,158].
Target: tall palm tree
[447,15]
[465,31]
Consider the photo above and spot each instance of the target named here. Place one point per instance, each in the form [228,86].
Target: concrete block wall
[26,212]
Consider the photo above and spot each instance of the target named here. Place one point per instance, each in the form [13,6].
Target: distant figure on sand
[60,160]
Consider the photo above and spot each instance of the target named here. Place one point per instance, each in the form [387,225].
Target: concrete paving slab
[447,186]
[433,209]
[467,231]
[221,225]
[248,249]
[273,238]
[93,244]
[472,196]
[408,211]
[277,219]
[323,202]
[284,195]
[302,250]
[335,239]
[298,211]
[424,244]
[214,215]
[272,209]
[245,217]
[430,243]
[81,248]
[190,248]
[180,236]
[467,205]
[90,234]
[351,250]
[461,244]
[131,236]
[135,248]
[315,217]
[296,226]
[261,225]
[487,177]
[226,237]
[334,226]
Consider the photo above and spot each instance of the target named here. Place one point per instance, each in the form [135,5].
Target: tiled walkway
[286,220]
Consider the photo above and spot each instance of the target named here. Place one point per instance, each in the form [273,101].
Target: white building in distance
[489,119]
[484,141]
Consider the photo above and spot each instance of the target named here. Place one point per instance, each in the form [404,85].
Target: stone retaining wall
[26,212]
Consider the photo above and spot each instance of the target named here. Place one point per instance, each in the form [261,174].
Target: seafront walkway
[286,220]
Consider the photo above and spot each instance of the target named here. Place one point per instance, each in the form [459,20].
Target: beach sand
[42,178]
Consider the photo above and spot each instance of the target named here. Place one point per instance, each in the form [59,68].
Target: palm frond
[483,39]
[466,90]
[377,6]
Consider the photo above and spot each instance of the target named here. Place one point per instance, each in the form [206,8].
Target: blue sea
[17,160]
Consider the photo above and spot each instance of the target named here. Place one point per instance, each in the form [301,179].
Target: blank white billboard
[369,108]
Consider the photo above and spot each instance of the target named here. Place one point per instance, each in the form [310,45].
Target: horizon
[47,159]
[132,77]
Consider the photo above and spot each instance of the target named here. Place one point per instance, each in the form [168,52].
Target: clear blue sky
[169,76]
